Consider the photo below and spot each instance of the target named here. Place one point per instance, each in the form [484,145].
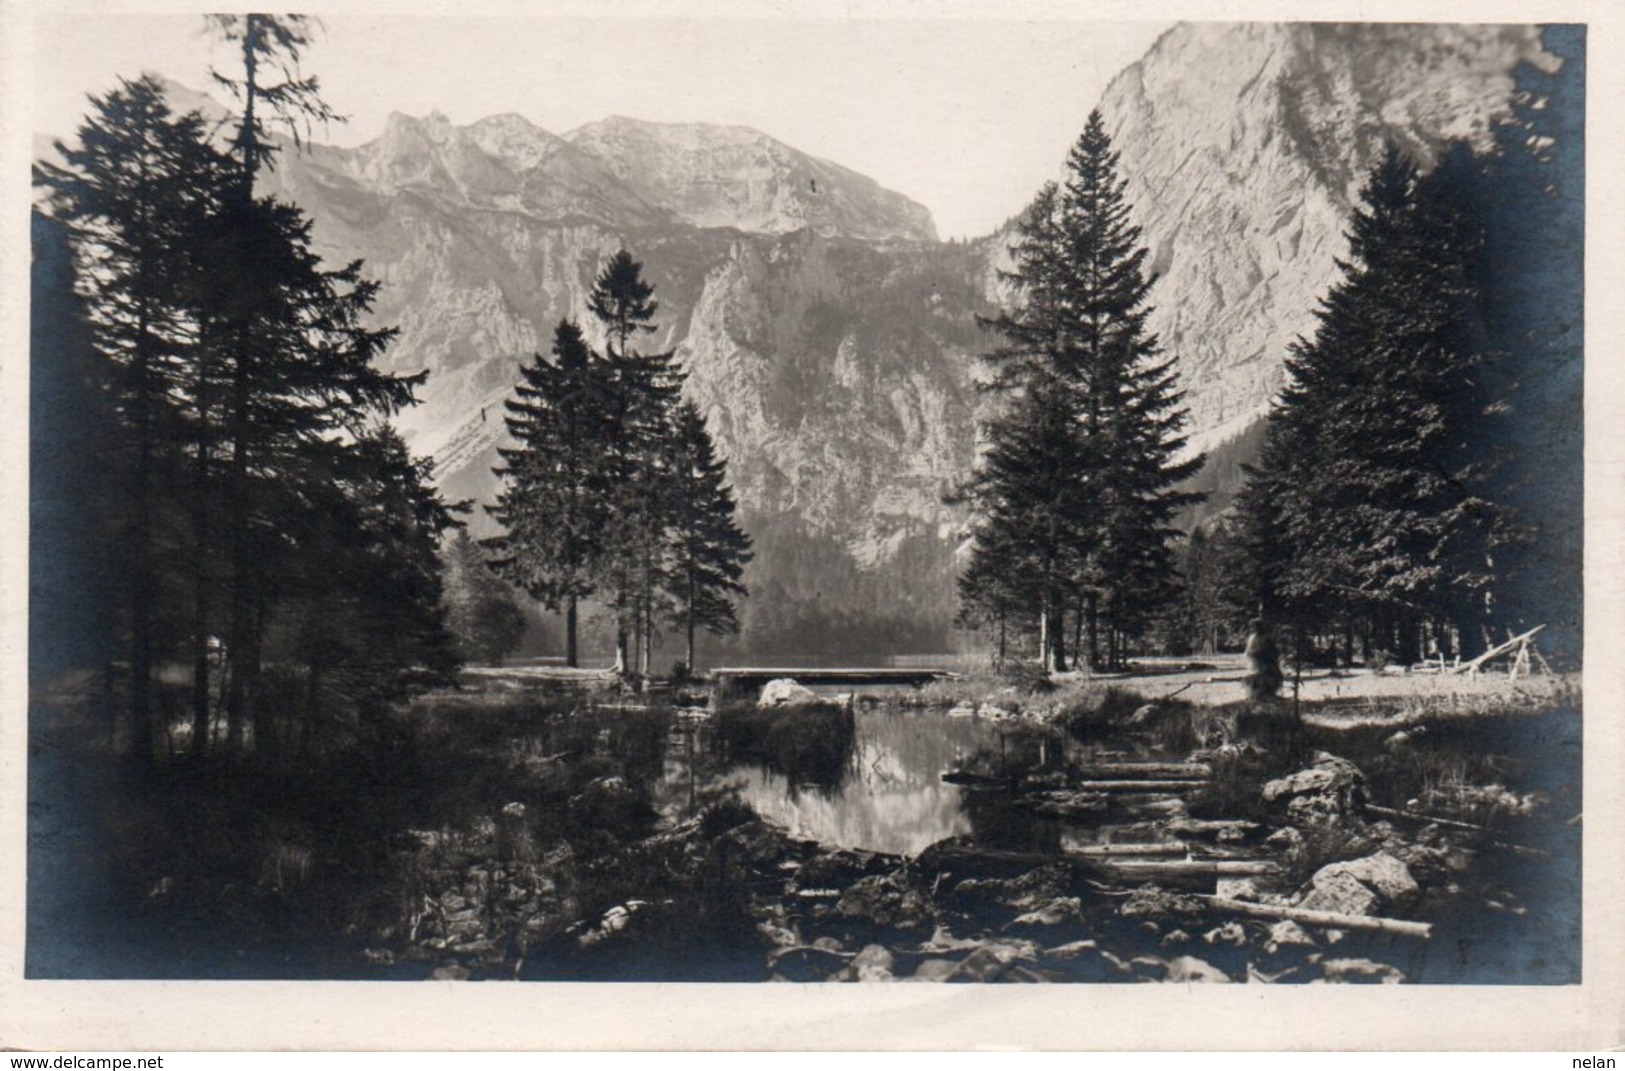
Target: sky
[965,113]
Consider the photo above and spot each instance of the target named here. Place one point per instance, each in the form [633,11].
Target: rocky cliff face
[830,339]
[733,176]
[1244,147]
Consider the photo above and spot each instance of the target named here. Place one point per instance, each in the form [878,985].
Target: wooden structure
[754,677]
[1521,649]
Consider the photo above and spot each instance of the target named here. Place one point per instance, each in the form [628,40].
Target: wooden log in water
[1452,823]
[1187,869]
[1329,919]
[1144,770]
[1412,816]
[1197,827]
[1154,785]
[1171,847]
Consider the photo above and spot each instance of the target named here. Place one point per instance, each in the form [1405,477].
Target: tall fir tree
[293,351]
[1081,470]
[482,612]
[1533,282]
[646,391]
[557,485]
[1372,506]
[708,551]
[134,193]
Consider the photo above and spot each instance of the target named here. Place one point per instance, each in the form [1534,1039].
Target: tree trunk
[570,651]
[200,591]
[1093,632]
[1057,636]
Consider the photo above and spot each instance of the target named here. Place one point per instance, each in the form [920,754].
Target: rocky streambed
[1098,855]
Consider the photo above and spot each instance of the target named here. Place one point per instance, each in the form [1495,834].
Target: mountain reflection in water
[891,797]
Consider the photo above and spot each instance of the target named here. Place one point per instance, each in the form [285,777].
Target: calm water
[890,796]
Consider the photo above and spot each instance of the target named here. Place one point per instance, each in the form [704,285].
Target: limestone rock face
[1244,146]
[733,176]
[831,341]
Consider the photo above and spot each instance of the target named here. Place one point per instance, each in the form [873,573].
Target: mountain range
[830,339]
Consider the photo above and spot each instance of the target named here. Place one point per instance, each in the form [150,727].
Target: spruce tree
[646,390]
[707,549]
[554,506]
[484,617]
[293,354]
[1372,506]
[134,194]
[1080,470]
[1533,284]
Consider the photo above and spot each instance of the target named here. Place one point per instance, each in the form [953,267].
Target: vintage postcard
[1093,507]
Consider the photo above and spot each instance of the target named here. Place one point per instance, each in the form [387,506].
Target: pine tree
[708,550]
[646,390]
[292,355]
[1371,503]
[481,611]
[1533,285]
[1080,471]
[133,193]
[557,485]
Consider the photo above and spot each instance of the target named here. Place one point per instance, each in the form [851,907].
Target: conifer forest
[651,553]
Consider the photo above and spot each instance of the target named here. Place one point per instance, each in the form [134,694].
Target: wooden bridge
[755,677]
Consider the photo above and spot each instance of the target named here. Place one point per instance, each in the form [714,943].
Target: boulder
[1341,893]
[786,692]
[1382,873]
[890,902]
[1329,788]
[1366,886]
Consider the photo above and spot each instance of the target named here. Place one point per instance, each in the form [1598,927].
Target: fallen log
[1171,847]
[1452,823]
[1201,826]
[1413,816]
[1171,784]
[1145,769]
[1329,919]
[1176,870]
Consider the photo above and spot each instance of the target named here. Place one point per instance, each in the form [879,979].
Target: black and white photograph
[871,493]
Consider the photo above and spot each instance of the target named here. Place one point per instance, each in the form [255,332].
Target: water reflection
[889,795]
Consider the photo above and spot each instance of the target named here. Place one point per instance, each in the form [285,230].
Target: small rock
[873,963]
[1175,937]
[786,692]
[934,970]
[1231,933]
[1364,971]
[1285,839]
[962,710]
[1190,970]
[1071,950]
[1238,889]
[1286,932]
[450,973]
[1342,893]
[1057,911]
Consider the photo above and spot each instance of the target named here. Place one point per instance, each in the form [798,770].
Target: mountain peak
[736,176]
